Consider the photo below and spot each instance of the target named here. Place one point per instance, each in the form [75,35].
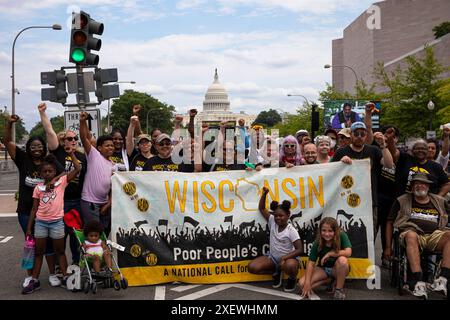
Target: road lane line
[6,239]
[185,288]
[268,291]
[8,215]
[205,292]
[160,293]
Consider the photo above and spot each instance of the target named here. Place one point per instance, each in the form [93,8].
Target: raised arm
[262,204]
[84,132]
[387,160]
[192,114]
[137,129]
[129,139]
[368,121]
[7,139]
[52,138]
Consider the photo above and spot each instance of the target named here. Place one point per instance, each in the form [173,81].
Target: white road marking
[6,239]
[160,293]
[8,215]
[221,287]
[185,288]
[7,194]
[205,292]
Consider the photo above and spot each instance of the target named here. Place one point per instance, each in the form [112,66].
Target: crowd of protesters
[87,186]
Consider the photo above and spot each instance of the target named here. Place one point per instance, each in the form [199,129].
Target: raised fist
[370,107]
[136,109]
[13,118]
[83,116]
[134,120]
[192,112]
[42,107]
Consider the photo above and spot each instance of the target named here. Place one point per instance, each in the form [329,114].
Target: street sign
[72,122]
[431,134]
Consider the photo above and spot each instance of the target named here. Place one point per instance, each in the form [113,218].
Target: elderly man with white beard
[421,218]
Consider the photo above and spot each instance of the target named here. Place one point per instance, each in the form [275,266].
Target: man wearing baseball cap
[422,219]
[357,150]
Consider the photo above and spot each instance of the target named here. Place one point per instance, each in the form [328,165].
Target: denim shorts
[277,261]
[45,229]
[328,271]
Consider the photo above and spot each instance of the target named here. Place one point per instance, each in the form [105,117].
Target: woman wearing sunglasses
[290,154]
[72,194]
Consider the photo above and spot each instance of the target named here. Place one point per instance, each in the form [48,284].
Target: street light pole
[430,107]
[13,88]
[327,66]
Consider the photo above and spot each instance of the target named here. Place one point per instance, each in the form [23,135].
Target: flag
[139,223]
[298,215]
[342,212]
[191,221]
[244,225]
[163,222]
[228,219]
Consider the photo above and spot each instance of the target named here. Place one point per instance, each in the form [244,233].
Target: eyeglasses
[310,153]
[361,134]
[165,144]
[289,145]
[71,138]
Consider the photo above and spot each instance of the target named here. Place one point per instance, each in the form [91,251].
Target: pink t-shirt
[97,181]
[51,203]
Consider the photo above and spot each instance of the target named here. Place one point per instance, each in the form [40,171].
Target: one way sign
[72,121]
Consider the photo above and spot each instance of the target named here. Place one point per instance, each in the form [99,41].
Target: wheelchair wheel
[116,285]
[94,287]
[86,286]
[124,283]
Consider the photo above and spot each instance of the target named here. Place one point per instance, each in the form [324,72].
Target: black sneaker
[32,286]
[64,282]
[277,280]
[290,284]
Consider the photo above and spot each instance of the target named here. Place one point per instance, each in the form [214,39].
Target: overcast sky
[263,49]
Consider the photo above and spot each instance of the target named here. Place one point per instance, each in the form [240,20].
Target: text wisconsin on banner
[206,227]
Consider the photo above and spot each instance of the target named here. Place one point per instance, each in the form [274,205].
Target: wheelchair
[430,263]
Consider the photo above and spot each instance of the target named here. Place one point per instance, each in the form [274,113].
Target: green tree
[57,124]
[407,92]
[442,29]
[159,114]
[21,132]
[268,118]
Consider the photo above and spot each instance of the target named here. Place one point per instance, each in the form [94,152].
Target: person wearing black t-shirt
[163,160]
[28,164]
[408,165]
[72,194]
[359,150]
[140,159]
[226,162]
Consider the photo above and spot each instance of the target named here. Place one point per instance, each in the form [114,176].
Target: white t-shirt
[281,243]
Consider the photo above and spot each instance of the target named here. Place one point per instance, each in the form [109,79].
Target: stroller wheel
[86,286]
[116,285]
[124,283]
[94,287]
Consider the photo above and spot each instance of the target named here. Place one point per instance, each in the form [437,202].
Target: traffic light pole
[81,94]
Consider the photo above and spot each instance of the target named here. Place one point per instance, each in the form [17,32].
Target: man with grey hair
[421,217]
[407,165]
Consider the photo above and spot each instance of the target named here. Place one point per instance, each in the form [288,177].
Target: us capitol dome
[216,108]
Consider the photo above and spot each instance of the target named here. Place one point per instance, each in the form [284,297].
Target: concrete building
[216,107]
[389,31]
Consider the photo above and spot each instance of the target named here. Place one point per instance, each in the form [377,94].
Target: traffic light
[58,80]
[102,91]
[315,123]
[82,39]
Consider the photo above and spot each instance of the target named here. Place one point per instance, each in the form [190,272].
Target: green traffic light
[78,55]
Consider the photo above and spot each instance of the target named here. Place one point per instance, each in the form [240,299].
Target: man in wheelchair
[421,219]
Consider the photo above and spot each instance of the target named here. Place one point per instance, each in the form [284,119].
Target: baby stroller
[90,281]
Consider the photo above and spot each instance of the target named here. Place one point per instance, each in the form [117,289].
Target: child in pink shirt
[47,216]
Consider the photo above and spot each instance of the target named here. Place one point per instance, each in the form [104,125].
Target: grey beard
[420,193]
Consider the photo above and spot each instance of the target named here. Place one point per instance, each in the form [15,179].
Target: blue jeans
[23,221]
[73,242]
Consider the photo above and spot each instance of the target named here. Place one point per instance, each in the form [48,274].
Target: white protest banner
[206,227]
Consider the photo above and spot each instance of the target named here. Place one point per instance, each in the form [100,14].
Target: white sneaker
[26,282]
[420,290]
[439,285]
[54,280]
